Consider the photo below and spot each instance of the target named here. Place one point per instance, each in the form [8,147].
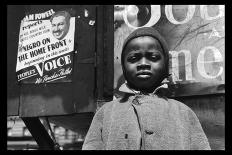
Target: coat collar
[126,89]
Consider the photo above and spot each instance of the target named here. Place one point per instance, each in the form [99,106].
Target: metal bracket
[39,133]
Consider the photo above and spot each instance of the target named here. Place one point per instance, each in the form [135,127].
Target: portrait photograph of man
[60,24]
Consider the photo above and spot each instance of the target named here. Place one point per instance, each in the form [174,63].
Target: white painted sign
[43,43]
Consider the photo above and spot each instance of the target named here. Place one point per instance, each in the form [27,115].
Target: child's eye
[132,59]
[155,57]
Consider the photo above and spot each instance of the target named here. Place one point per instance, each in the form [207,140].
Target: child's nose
[143,64]
[143,61]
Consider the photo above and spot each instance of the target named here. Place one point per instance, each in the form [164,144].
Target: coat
[146,122]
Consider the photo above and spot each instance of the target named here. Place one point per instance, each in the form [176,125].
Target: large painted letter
[205,15]
[169,14]
[132,11]
[201,61]
[175,65]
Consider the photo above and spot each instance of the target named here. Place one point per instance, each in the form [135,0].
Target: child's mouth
[144,74]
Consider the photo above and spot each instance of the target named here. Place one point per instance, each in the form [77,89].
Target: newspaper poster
[45,48]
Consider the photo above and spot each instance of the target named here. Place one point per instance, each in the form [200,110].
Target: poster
[195,35]
[45,48]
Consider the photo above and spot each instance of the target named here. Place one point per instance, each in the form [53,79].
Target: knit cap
[147,31]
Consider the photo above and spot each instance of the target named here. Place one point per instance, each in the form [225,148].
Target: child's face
[144,62]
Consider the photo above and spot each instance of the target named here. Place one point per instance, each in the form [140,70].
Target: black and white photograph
[115,77]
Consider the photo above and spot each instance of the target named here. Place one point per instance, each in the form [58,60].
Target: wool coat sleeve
[93,139]
[198,139]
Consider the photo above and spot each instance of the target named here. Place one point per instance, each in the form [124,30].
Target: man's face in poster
[60,26]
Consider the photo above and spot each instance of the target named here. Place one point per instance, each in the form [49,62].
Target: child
[144,119]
